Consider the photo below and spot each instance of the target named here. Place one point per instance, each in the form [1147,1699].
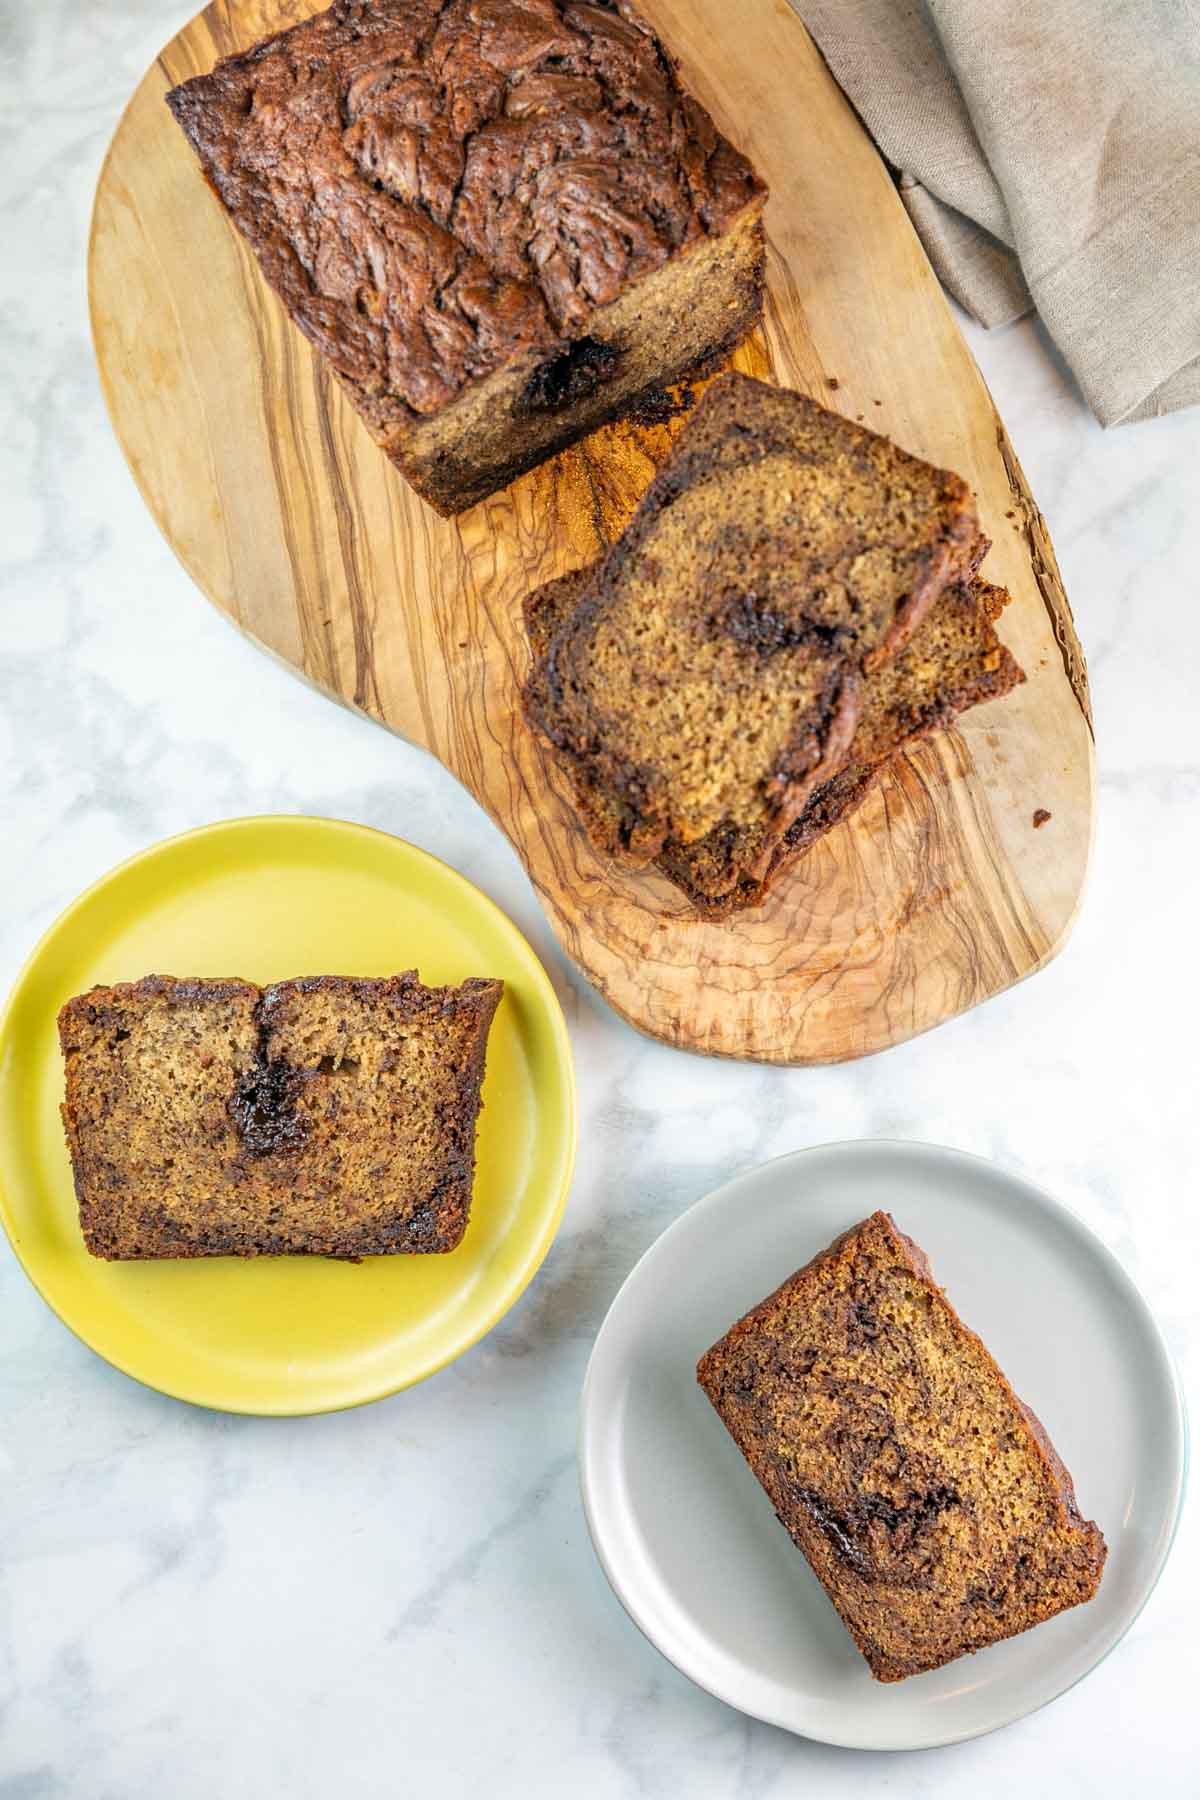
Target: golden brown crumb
[327,1116]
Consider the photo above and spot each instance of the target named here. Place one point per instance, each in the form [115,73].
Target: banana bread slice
[710,674]
[502,222]
[928,1499]
[612,824]
[953,661]
[328,1116]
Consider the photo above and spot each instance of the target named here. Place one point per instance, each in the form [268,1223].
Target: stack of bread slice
[794,602]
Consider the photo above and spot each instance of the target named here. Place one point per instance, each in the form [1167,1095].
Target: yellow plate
[265,899]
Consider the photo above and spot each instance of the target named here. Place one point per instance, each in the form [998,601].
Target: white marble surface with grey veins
[403,1600]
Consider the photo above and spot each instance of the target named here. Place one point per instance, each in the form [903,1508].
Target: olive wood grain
[940,892]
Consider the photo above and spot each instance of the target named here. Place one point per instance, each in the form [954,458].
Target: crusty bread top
[437,187]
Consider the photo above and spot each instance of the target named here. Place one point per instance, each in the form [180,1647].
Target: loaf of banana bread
[501,221]
[928,1499]
[328,1116]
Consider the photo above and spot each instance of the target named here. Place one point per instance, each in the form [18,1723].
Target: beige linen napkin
[1049,156]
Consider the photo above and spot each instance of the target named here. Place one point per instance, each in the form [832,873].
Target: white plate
[689,1540]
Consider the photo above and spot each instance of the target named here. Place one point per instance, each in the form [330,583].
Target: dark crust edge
[1055,1472]
[480,995]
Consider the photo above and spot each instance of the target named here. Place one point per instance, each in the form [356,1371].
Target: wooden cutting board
[941,891]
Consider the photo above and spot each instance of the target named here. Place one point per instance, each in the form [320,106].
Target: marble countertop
[403,1599]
